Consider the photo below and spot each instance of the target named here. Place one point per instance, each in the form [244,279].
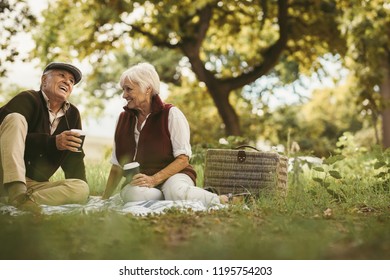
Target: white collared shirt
[54,118]
[179,130]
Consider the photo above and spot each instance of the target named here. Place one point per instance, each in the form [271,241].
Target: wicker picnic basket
[239,170]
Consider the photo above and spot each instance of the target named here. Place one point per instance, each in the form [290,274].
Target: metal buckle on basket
[241,156]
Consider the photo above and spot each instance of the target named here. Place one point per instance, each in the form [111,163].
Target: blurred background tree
[15,17]
[366,27]
[226,44]
[222,60]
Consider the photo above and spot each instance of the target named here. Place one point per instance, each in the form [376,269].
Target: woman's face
[136,98]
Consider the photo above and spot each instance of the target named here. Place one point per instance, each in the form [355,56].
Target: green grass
[227,234]
[311,222]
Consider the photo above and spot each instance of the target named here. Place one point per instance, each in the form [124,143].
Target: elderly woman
[157,136]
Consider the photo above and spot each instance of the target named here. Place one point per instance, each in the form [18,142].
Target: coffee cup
[82,137]
[129,170]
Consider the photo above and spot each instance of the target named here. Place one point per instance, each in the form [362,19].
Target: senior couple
[36,139]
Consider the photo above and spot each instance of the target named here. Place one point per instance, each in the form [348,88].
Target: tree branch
[193,44]
[264,5]
[271,55]
[156,41]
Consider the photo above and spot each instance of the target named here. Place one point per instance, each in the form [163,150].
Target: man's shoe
[15,189]
[30,206]
[24,203]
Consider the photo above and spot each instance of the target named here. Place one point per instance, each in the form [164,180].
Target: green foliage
[382,166]
[193,100]
[317,124]
[314,34]
[205,124]
[205,32]
[326,171]
[15,17]
[356,177]
[365,25]
[202,35]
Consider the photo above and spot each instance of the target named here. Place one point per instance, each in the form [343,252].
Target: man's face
[58,85]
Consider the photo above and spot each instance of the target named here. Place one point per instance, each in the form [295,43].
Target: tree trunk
[218,91]
[385,92]
[226,111]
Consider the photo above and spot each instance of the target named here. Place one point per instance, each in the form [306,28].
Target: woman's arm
[112,181]
[176,166]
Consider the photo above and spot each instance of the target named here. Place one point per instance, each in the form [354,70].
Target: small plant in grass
[382,165]
[326,172]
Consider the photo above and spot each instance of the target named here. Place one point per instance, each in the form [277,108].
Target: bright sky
[28,71]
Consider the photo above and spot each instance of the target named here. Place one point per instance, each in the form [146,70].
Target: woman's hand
[174,167]
[143,180]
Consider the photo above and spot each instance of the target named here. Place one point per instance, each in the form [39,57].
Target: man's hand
[68,140]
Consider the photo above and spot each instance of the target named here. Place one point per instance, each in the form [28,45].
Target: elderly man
[36,139]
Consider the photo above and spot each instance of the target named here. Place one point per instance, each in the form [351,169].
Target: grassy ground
[268,230]
[231,234]
[312,222]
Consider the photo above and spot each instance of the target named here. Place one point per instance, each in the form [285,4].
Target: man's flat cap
[65,66]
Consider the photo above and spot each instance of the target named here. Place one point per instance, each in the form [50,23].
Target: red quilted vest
[154,146]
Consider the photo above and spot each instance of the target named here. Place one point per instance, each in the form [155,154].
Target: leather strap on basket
[246,146]
[241,155]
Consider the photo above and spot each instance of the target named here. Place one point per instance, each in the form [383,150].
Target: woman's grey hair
[144,75]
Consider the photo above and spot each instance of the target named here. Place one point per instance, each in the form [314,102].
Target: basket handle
[241,155]
[246,146]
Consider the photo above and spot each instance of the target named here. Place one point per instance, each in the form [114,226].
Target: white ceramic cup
[82,137]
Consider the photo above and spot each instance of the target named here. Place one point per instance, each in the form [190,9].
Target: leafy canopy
[15,17]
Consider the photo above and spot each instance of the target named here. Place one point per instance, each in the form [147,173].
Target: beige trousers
[13,131]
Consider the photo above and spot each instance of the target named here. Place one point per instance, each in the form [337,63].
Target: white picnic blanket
[115,203]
